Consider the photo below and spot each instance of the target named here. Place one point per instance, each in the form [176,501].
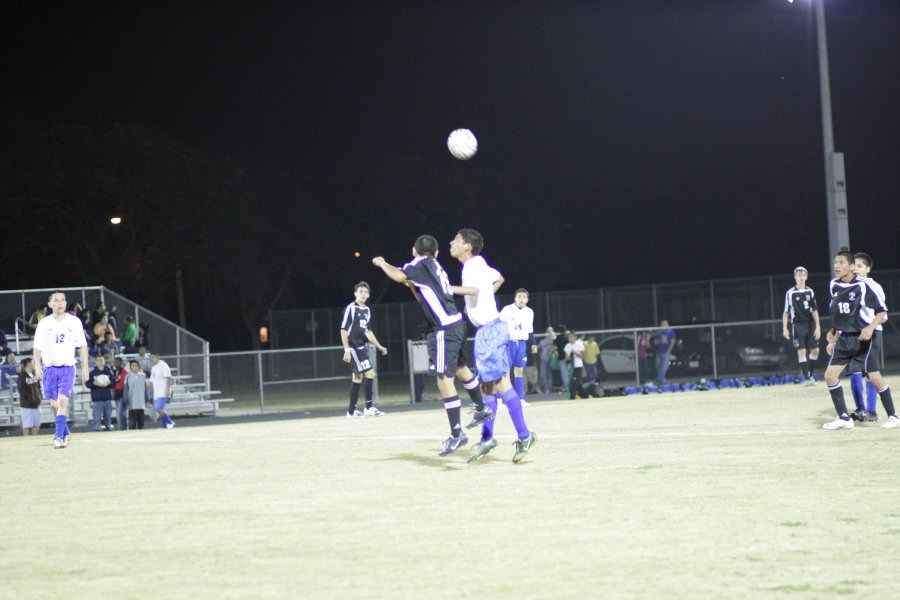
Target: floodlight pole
[835,183]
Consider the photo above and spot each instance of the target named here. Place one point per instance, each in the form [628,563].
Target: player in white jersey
[55,341]
[866,404]
[519,319]
[479,282]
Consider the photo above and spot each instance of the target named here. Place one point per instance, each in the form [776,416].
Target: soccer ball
[462,144]
[102,380]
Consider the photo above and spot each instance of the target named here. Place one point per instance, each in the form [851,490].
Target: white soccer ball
[102,380]
[462,144]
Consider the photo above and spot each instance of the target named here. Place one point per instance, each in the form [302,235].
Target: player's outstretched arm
[498,283]
[390,270]
[371,337]
[463,291]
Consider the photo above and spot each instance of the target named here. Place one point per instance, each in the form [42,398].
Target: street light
[835,182]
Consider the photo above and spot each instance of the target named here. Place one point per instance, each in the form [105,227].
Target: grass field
[726,494]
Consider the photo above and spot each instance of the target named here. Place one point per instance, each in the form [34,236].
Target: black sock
[837,398]
[354,396]
[452,405]
[803,368]
[473,386]
[812,366]
[368,383]
[887,401]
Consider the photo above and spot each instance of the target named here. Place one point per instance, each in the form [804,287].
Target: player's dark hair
[134,362]
[426,244]
[56,292]
[25,362]
[473,239]
[846,254]
[865,258]
[521,291]
[361,284]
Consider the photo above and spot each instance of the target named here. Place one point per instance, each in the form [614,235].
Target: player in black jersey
[354,334]
[856,311]
[447,340]
[802,313]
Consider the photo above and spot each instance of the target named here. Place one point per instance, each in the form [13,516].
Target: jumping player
[354,333]
[479,282]
[519,319]
[801,311]
[447,339]
[856,311]
[55,340]
[866,405]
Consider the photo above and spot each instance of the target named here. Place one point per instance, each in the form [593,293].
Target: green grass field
[727,494]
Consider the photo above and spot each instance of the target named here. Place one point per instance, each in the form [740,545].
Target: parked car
[618,356]
[736,352]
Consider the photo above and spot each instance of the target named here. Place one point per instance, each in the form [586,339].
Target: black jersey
[854,304]
[356,323]
[433,285]
[800,304]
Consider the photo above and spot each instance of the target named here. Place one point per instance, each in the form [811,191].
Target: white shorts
[31,417]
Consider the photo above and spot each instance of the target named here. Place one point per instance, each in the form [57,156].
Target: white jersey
[476,273]
[58,339]
[158,375]
[879,292]
[520,321]
[573,347]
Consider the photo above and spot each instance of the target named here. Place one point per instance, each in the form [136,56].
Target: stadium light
[115,220]
[835,182]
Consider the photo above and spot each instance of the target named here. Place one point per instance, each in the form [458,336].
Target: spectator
[4,345]
[100,382]
[99,311]
[545,349]
[144,360]
[561,340]
[135,394]
[574,353]
[29,398]
[143,337]
[118,391]
[663,343]
[8,371]
[112,314]
[591,357]
[643,361]
[130,335]
[101,329]
[42,311]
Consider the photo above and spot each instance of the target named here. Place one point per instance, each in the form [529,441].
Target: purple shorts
[58,381]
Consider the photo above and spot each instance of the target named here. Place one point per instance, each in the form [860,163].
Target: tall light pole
[835,183]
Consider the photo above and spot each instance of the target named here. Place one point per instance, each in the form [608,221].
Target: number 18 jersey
[854,304]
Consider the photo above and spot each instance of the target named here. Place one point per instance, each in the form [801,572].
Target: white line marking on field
[155,440]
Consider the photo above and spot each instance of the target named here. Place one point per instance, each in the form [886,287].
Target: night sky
[666,140]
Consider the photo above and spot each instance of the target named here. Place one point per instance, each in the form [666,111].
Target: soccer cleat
[58,443]
[893,422]
[482,449]
[480,416]
[525,404]
[372,412]
[65,440]
[354,415]
[809,382]
[452,444]
[523,446]
[858,415]
[871,416]
[838,423]
[170,424]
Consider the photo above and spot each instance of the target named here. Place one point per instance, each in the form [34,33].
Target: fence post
[713,338]
[262,396]
[712,299]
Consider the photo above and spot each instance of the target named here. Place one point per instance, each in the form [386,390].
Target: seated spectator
[9,371]
[143,360]
[99,311]
[112,314]
[4,345]
[101,329]
[143,338]
[42,311]
[130,335]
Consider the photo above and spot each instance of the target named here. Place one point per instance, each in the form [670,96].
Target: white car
[617,354]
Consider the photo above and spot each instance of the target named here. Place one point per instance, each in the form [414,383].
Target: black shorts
[860,356]
[803,335]
[447,349]
[359,360]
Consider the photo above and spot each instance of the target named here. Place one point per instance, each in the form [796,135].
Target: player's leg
[369,391]
[873,363]
[871,401]
[845,350]
[856,389]
[159,405]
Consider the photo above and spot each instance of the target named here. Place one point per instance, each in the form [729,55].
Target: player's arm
[169,382]
[784,325]
[869,330]
[85,371]
[38,369]
[532,342]
[345,340]
[500,281]
[370,335]
[463,291]
[818,331]
[390,270]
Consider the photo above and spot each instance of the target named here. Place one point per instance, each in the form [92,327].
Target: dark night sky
[675,140]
